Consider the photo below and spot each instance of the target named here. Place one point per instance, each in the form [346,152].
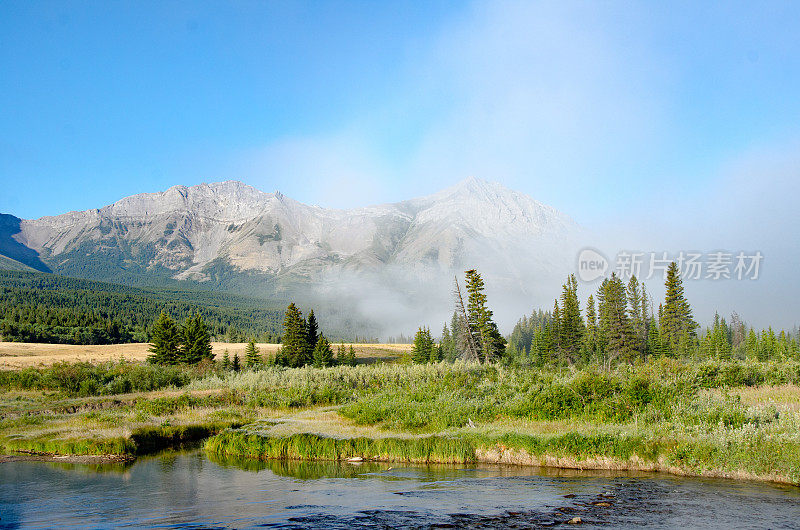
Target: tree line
[302,344]
[620,324]
[45,308]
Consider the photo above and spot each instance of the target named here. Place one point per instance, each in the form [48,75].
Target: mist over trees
[303,344]
[619,325]
[473,336]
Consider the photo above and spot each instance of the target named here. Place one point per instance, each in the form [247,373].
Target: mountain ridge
[240,238]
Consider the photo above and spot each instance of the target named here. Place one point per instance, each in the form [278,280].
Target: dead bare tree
[466,342]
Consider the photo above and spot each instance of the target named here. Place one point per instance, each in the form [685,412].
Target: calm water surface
[188,490]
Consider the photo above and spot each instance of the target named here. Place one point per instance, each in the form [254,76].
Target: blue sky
[591,107]
[660,125]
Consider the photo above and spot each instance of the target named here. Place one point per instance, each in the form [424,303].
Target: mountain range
[232,236]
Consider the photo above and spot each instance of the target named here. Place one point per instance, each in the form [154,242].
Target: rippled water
[187,490]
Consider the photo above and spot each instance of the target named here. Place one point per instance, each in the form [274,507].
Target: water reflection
[193,489]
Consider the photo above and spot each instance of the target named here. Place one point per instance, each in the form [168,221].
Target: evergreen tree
[437,353]
[196,341]
[634,295]
[351,356]
[166,341]
[676,319]
[312,332]
[571,326]
[294,348]
[481,326]
[236,365]
[341,355]
[614,320]
[751,346]
[252,359]
[323,354]
[555,329]
[423,345]
[591,339]
[654,345]
[226,361]
[449,352]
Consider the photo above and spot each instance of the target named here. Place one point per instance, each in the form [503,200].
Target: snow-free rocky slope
[236,235]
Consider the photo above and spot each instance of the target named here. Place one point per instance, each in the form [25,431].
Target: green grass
[308,446]
[664,414]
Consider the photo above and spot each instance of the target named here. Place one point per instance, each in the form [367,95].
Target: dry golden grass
[324,421]
[785,396]
[17,355]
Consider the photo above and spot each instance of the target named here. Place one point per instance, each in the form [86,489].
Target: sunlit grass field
[17,355]
[736,419]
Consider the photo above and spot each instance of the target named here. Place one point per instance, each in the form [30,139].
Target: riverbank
[734,419]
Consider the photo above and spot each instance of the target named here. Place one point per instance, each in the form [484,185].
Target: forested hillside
[38,307]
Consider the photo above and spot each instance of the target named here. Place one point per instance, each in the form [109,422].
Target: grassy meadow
[715,418]
[18,355]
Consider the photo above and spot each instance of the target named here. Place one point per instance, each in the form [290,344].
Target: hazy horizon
[657,127]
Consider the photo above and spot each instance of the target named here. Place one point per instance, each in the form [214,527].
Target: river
[190,490]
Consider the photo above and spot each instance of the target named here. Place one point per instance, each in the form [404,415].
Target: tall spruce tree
[323,354]
[351,356]
[252,359]
[166,341]
[487,336]
[421,351]
[448,344]
[312,332]
[196,341]
[294,343]
[226,360]
[341,355]
[555,330]
[635,293]
[677,324]
[591,339]
[615,322]
[654,345]
[571,327]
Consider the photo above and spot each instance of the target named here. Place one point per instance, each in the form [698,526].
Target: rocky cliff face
[236,235]
[187,231]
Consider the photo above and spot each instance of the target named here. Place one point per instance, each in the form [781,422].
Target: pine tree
[341,355]
[312,335]
[634,296]
[654,346]
[448,344]
[555,329]
[166,341]
[351,356]
[614,320]
[236,365]
[437,353]
[571,328]
[196,341]
[252,359]
[751,346]
[676,319]
[423,344]
[323,354]
[481,326]
[294,349]
[591,339]
[226,361]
